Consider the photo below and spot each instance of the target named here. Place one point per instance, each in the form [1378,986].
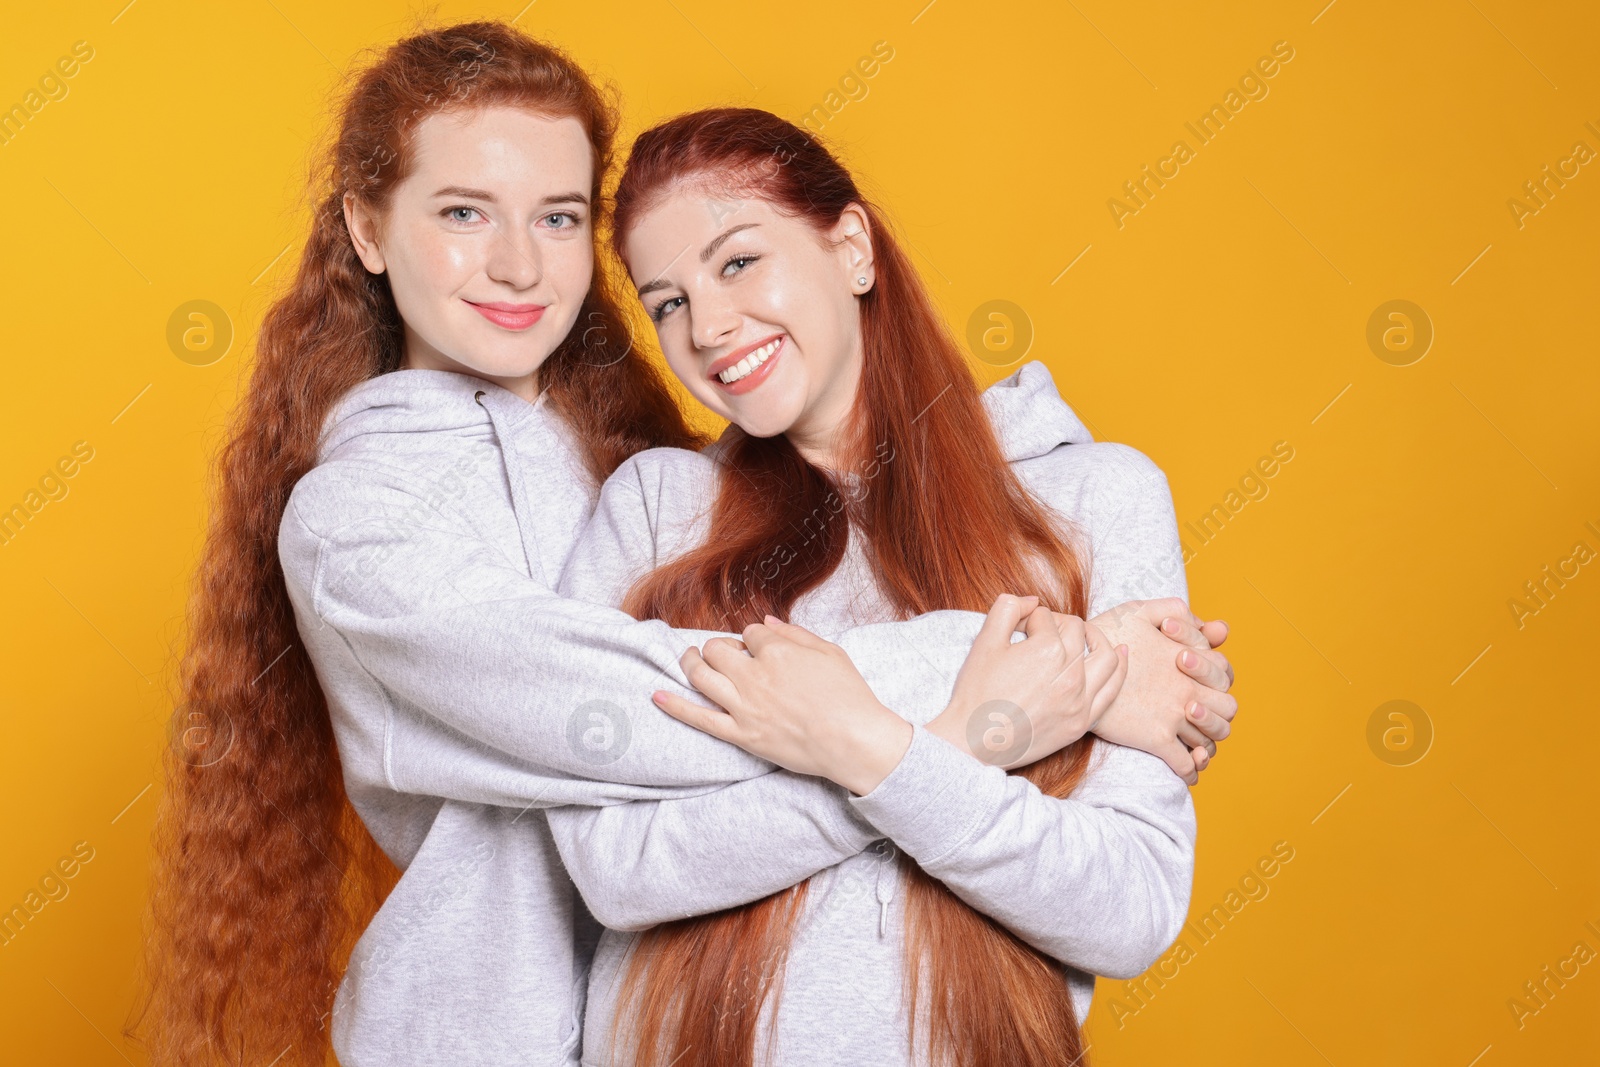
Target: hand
[1175,703]
[790,697]
[1043,684]
[1215,671]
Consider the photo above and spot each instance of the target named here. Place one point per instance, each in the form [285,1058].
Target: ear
[852,242]
[358,219]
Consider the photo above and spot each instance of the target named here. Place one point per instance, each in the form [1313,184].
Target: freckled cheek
[570,266]
[795,300]
[686,368]
[439,267]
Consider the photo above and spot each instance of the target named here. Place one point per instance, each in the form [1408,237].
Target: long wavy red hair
[946,524]
[264,874]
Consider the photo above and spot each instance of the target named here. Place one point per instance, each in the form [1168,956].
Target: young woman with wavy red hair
[378,677]
[864,478]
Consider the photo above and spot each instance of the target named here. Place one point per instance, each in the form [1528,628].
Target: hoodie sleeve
[452,673]
[648,862]
[1099,879]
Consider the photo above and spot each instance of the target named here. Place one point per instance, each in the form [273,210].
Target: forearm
[647,862]
[1099,880]
[455,674]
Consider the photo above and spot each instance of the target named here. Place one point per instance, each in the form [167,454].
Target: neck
[820,433]
[425,357]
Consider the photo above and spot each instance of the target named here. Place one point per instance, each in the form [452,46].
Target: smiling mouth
[509,316]
[737,366]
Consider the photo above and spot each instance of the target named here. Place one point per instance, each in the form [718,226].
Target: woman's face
[757,312]
[487,242]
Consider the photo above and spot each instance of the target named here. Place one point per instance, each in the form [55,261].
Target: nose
[712,321]
[514,258]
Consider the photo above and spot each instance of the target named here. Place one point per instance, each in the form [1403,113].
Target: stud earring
[861,281]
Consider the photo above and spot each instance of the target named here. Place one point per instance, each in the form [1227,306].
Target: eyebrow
[705,256]
[481,194]
[711,249]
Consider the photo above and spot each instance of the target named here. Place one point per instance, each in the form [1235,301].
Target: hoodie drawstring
[885,885]
[519,504]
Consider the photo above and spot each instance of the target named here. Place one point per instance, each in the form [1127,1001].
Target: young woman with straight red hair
[864,478]
[379,681]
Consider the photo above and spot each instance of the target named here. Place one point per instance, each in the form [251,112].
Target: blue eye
[572,220]
[742,261]
[666,307]
[450,213]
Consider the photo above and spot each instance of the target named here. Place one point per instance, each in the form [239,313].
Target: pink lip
[755,377]
[509,316]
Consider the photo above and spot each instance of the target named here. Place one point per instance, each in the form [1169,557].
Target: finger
[1003,620]
[1223,706]
[798,634]
[1069,630]
[1210,669]
[757,636]
[1202,760]
[1216,632]
[711,721]
[1179,758]
[1213,726]
[726,654]
[1105,671]
[1192,736]
[711,682]
[1095,639]
[1167,607]
[1182,628]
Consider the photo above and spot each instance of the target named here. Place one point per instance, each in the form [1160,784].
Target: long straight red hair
[946,524]
[264,874]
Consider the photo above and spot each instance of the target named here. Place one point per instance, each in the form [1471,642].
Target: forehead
[509,146]
[682,220]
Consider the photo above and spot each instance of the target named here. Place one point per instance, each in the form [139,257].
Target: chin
[768,422]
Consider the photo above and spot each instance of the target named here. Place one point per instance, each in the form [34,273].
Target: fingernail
[1191,660]
[1169,625]
[658,696]
[1196,712]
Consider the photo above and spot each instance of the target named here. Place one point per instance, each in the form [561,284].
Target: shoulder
[669,484]
[338,494]
[1083,480]
[668,468]
[657,504]
[1120,507]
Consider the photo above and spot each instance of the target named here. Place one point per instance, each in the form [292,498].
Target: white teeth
[749,363]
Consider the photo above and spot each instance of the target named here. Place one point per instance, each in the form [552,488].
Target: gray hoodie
[420,555]
[1099,881]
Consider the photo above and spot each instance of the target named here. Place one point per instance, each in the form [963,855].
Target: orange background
[1229,313]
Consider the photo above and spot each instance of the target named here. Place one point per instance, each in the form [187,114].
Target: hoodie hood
[1029,416]
[417,401]
[395,414]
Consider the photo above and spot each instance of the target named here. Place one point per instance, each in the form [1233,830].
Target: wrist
[947,728]
[877,748]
